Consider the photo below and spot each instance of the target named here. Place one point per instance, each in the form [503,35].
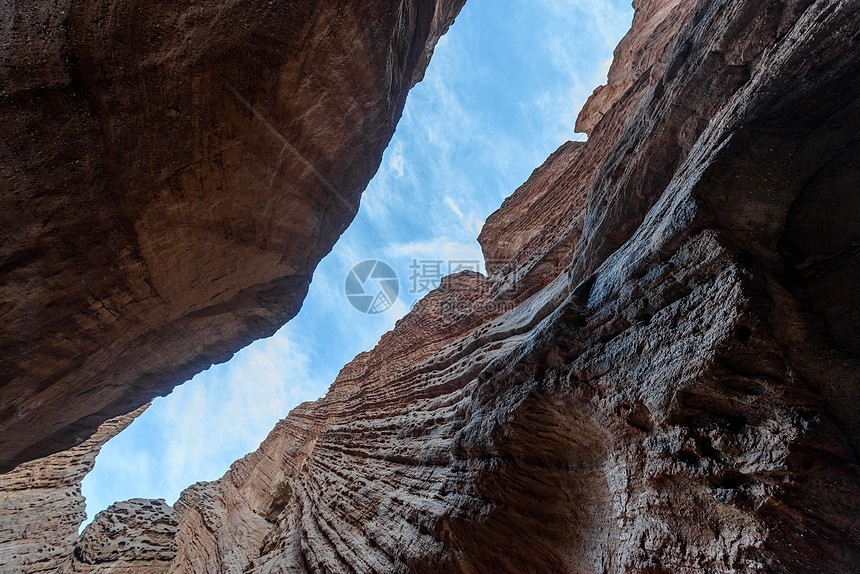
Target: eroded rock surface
[41,505]
[657,376]
[135,536]
[660,373]
[642,52]
[153,223]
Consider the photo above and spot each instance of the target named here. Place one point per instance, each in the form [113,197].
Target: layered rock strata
[161,187]
[41,505]
[660,374]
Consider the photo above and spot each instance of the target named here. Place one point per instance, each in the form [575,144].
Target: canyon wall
[660,373]
[160,179]
[41,505]
[137,536]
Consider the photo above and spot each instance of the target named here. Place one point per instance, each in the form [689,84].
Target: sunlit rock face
[153,222]
[41,505]
[660,373]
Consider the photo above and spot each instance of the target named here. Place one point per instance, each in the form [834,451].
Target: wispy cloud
[397,163]
[450,203]
[436,249]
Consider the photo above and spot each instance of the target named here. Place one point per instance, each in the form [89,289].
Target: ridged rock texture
[153,223]
[660,373]
[41,505]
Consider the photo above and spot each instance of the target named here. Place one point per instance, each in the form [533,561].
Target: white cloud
[437,250]
[397,163]
[598,23]
[604,71]
[450,203]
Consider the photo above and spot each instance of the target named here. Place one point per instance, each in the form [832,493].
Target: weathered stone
[660,373]
[135,536]
[153,223]
[41,505]
[663,380]
[642,52]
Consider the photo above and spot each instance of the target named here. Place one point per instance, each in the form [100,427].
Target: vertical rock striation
[162,202]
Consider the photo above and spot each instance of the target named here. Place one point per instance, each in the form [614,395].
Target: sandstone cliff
[41,506]
[660,373]
[153,223]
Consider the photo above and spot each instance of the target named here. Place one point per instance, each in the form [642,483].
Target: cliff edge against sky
[660,373]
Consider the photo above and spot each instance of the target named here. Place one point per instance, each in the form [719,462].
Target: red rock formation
[153,223]
[666,381]
[643,51]
[659,375]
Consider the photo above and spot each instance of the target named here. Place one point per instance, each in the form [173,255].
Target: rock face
[170,174]
[136,536]
[640,56]
[41,506]
[660,373]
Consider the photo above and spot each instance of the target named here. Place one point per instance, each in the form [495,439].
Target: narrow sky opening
[501,93]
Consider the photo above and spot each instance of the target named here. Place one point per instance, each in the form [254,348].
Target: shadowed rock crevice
[545,495]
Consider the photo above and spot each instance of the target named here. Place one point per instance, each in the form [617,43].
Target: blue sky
[501,93]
